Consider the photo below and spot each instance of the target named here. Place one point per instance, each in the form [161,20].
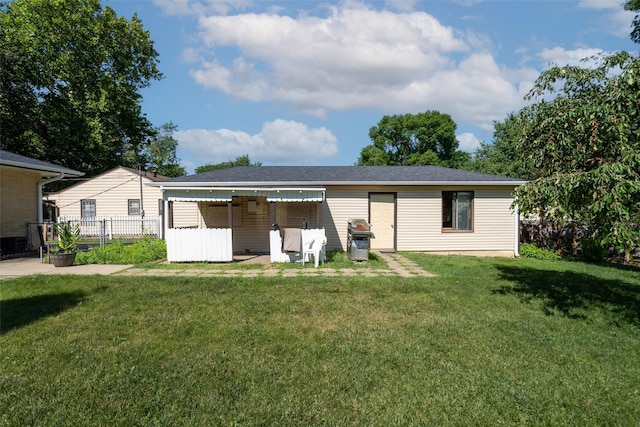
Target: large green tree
[160,152]
[239,161]
[426,138]
[501,156]
[70,75]
[634,6]
[582,139]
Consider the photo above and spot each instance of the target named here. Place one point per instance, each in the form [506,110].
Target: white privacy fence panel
[116,226]
[199,244]
[276,245]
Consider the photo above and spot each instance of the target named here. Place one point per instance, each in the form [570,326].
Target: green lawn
[486,342]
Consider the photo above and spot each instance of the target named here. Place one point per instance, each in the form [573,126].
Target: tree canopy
[160,152]
[239,161]
[584,147]
[501,156]
[634,6]
[426,138]
[70,75]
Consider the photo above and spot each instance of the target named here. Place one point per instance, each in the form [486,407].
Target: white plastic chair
[315,247]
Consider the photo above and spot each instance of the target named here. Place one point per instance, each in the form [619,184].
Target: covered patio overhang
[216,244]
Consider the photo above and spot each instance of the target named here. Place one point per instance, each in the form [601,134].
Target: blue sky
[301,82]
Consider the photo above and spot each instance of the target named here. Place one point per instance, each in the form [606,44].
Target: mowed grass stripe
[487,341]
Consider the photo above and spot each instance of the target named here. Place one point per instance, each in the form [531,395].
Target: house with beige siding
[21,184]
[119,193]
[410,208]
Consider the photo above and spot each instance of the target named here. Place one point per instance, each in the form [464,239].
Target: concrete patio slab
[18,267]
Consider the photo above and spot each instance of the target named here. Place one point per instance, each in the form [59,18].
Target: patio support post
[319,214]
[272,213]
[165,218]
[230,214]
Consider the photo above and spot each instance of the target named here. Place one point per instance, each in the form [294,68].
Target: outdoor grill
[358,237]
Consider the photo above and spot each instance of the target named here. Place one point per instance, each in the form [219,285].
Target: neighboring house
[412,208]
[119,192]
[21,182]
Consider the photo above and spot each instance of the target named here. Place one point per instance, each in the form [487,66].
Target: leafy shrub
[529,250]
[145,250]
[593,250]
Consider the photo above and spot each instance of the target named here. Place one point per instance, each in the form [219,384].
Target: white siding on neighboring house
[112,191]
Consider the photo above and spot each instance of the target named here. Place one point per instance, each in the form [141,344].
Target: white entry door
[382,217]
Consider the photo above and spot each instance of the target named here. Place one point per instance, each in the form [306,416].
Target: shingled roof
[46,169]
[337,175]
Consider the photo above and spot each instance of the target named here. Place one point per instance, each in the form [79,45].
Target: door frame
[395,215]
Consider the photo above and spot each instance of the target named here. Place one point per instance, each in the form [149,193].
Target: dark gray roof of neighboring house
[337,175]
[16,160]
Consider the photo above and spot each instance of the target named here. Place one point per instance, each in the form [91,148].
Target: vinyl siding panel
[342,203]
[419,218]
[419,223]
[253,234]
[185,214]
[112,191]
[18,200]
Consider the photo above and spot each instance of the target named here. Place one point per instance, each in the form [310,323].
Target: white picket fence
[116,226]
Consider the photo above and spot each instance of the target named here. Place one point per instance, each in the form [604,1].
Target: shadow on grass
[16,313]
[575,295]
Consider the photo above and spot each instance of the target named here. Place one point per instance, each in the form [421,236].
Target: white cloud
[560,56]
[468,2]
[280,141]
[188,7]
[620,22]
[352,56]
[468,142]
[357,57]
[402,5]
[615,20]
[601,4]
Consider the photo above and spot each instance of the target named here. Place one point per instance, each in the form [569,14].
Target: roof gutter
[41,168]
[234,188]
[297,184]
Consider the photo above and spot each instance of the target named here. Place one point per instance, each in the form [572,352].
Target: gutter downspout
[516,232]
[40,185]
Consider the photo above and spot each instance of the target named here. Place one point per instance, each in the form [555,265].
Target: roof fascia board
[39,168]
[280,185]
[233,188]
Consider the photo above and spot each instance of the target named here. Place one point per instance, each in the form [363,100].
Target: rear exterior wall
[419,218]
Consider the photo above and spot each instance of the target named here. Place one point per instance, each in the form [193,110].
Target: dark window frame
[451,209]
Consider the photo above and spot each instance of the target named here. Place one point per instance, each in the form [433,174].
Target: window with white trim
[457,211]
[134,207]
[88,208]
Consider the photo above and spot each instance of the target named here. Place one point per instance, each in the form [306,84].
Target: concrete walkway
[397,266]
[18,267]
